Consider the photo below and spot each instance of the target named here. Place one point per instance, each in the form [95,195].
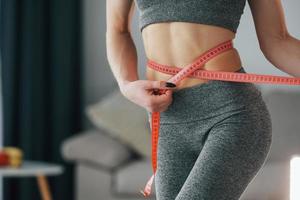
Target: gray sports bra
[223,13]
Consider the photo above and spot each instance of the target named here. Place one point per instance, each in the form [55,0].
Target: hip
[214,99]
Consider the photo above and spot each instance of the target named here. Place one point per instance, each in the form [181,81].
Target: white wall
[98,77]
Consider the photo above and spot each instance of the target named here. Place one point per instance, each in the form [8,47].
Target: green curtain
[42,86]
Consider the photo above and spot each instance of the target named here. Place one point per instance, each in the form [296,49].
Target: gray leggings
[213,139]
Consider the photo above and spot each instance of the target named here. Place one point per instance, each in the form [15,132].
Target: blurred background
[60,103]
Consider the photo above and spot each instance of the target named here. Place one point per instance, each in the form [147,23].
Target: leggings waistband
[210,99]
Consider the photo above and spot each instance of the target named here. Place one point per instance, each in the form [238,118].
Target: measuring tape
[193,70]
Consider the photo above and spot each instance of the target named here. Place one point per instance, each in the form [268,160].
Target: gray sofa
[109,167]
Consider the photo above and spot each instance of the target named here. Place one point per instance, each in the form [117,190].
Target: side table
[40,170]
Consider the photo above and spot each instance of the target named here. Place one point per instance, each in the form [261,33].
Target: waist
[228,61]
[212,99]
[179,43]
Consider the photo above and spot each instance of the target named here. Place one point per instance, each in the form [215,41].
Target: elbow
[267,47]
[267,50]
[272,40]
[270,44]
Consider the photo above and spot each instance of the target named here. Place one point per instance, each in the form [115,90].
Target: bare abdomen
[180,43]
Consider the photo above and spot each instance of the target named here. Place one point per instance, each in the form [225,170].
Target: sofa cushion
[132,178]
[123,120]
[94,147]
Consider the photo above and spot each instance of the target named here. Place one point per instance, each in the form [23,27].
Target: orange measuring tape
[193,70]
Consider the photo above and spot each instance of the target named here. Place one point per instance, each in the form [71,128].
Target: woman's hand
[145,93]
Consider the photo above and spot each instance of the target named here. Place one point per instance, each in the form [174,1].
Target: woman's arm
[122,58]
[121,51]
[278,46]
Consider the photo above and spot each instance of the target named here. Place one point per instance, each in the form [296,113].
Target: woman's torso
[180,43]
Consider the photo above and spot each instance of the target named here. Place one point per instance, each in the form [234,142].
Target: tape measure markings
[230,76]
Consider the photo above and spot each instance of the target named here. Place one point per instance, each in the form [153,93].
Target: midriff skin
[180,43]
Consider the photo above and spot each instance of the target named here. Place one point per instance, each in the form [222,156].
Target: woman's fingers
[152,95]
[158,85]
[159,103]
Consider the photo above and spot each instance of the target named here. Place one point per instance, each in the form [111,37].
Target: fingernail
[169,84]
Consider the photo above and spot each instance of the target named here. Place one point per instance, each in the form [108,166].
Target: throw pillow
[123,120]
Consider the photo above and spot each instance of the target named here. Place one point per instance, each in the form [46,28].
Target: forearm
[122,56]
[284,54]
